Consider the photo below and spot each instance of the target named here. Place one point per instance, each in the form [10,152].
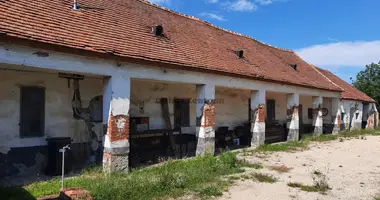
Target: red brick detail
[291,112]
[118,127]
[338,119]
[107,155]
[295,112]
[76,193]
[261,113]
[208,115]
[371,121]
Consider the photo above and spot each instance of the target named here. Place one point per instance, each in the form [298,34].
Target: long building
[127,82]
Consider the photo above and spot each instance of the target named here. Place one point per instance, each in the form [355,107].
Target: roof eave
[142,60]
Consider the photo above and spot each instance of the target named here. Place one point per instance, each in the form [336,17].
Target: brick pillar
[292,117]
[376,115]
[257,117]
[317,115]
[372,115]
[336,114]
[205,119]
[116,101]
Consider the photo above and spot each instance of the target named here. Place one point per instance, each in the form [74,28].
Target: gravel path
[352,168]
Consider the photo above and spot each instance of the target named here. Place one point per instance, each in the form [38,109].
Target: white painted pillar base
[317,115]
[257,117]
[336,114]
[292,117]
[116,103]
[205,119]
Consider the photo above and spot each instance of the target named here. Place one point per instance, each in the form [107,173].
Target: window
[32,111]
[181,113]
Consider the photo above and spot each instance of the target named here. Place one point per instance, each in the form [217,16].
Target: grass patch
[245,163]
[281,168]
[309,188]
[307,138]
[361,132]
[321,138]
[264,178]
[319,184]
[286,146]
[210,191]
[171,179]
[306,188]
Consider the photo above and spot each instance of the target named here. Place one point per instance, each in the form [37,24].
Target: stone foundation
[318,130]
[258,138]
[113,163]
[293,135]
[205,145]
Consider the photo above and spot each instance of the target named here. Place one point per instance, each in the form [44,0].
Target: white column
[317,115]
[336,114]
[258,117]
[372,116]
[116,103]
[293,117]
[205,119]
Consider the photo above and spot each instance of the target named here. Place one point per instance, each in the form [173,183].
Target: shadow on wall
[15,193]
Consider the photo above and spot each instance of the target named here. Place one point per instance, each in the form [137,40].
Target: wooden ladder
[166,116]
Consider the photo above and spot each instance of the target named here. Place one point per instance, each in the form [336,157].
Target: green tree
[368,81]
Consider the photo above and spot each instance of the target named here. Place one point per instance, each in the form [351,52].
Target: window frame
[22,132]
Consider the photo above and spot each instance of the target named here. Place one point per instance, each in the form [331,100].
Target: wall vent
[158,30]
[240,53]
[294,66]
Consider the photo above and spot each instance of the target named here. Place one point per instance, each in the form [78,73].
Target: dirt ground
[352,168]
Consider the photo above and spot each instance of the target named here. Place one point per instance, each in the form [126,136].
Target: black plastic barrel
[54,164]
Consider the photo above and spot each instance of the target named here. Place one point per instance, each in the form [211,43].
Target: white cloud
[159,2]
[240,5]
[212,1]
[342,54]
[264,2]
[267,2]
[213,16]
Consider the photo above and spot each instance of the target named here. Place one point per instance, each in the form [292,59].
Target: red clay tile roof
[350,92]
[124,28]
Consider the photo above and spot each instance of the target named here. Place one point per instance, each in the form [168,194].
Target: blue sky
[340,35]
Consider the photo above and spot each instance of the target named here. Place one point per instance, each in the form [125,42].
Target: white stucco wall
[350,108]
[281,103]
[149,92]
[59,121]
[327,103]
[234,109]
[231,112]
[306,102]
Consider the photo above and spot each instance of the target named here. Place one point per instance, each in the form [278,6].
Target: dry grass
[264,178]
[319,184]
[281,168]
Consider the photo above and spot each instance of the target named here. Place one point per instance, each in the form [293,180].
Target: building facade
[150,83]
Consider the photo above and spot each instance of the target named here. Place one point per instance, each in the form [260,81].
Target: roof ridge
[212,25]
[353,87]
[316,69]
